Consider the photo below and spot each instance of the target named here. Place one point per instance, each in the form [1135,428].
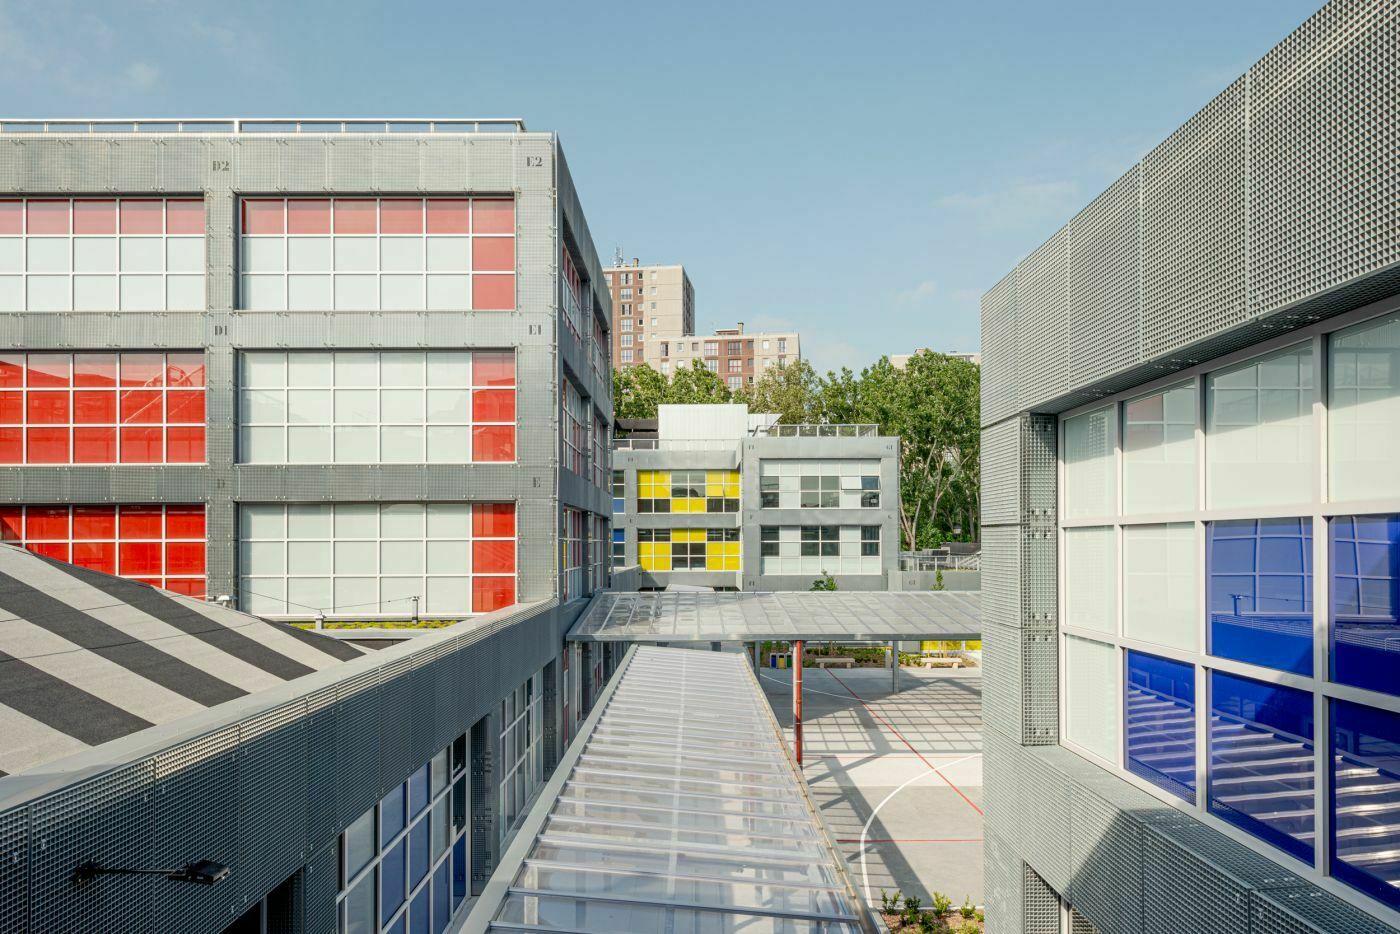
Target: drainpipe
[797,699]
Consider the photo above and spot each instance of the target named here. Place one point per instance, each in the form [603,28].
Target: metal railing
[675,444]
[937,562]
[820,431]
[242,125]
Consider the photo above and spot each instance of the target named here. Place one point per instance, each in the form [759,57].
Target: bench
[824,661]
[935,661]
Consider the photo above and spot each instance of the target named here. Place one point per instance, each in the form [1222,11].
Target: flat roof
[677,808]
[831,616]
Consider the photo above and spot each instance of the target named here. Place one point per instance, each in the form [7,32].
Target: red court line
[906,742]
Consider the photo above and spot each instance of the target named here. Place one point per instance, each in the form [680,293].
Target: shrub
[980,916]
[968,909]
[969,928]
[911,909]
[889,902]
[825,582]
[942,905]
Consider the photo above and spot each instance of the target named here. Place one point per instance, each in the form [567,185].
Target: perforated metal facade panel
[1105,302]
[1042,303]
[1000,395]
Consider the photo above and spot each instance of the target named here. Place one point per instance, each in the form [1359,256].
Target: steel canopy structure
[677,808]
[818,616]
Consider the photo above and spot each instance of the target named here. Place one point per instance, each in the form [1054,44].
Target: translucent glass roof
[676,809]
[835,616]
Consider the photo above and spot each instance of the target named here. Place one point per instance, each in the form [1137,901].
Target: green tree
[793,391]
[696,385]
[637,391]
[936,417]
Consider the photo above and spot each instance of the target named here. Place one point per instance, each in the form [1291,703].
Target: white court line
[864,872]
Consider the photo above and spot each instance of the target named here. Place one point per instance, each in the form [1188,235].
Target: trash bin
[772,659]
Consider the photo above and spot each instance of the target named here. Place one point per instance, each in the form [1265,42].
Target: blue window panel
[1161,727]
[418,790]
[398,927]
[1366,799]
[418,912]
[619,536]
[391,816]
[1259,592]
[618,506]
[442,897]
[1365,616]
[391,887]
[1261,761]
[419,840]
[459,871]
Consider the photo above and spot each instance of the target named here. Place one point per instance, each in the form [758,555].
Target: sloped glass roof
[676,809]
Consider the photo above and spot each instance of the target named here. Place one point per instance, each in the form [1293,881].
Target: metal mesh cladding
[1193,248]
[1042,302]
[14,870]
[1078,924]
[1001,473]
[1105,301]
[1000,396]
[1040,905]
[1106,862]
[1326,97]
[1002,883]
[1309,911]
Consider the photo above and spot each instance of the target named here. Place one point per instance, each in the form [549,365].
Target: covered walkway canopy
[817,616]
[677,808]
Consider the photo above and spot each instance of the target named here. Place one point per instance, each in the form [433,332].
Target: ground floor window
[820,549]
[521,754]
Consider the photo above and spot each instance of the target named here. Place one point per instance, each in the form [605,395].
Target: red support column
[797,699]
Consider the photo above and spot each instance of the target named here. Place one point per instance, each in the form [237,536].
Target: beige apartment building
[737,357]
[649,304]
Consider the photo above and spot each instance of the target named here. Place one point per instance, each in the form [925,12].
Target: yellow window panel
[731,549]
[694,504]
[714,563]
[692,535]
[731,491]
[731,564]
[713,490]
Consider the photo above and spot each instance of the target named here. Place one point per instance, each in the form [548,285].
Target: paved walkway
[915,755]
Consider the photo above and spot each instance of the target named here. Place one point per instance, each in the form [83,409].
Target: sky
[862,173]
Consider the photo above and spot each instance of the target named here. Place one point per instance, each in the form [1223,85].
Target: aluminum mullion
[570,819]
[586,803]
[708,849]
[740,859]
[690,794]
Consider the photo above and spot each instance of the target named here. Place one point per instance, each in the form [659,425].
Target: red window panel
[95,370]
[493,216]
[184,370]
[401,216]
[185,407]
[12,523]
[142,407]
[142,216]
[184,217]
[140,446]
[94,445]
[190,587]
[12,408]
[96,556]
[307,216]
[493,443]
[355,215]
[492,593]
[493,368]
[48,371]
[184,444]
[493,557]
[139,558]
[47,445]
[57,550]
[11,218]
[140,522]
[493,292]
[184,558]
[47,408]
[264,216]
[46,217]
[11,370]
[493,254]
[146,370]
[449,216]
[493,405]
[46,523]
[184,522]
[12,445]
[93,407]
[95,522]
[95,216]
[493,520]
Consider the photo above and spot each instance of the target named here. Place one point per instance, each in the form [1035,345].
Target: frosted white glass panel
[308,444]
[11,293]
[184,254]
[309,293]
[356,444]
[449,254]
[11,254]
[448,594]
[449,292]
[356,292]
[1159,584]
[97,254]
[401,254]
[261,521]
[1090,439]
[1259,432]
[1159,452]
[310,369]
[1091,696]
[1363,391]
[49,255]
[449,445]
[449,520]
[308,254]
[267,293]
[263,444]
[353,254]
[142,254]
[264,256]
[141,292]
[99,293]
[184,293]
[48,293]
[401,293]
[1090,575]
